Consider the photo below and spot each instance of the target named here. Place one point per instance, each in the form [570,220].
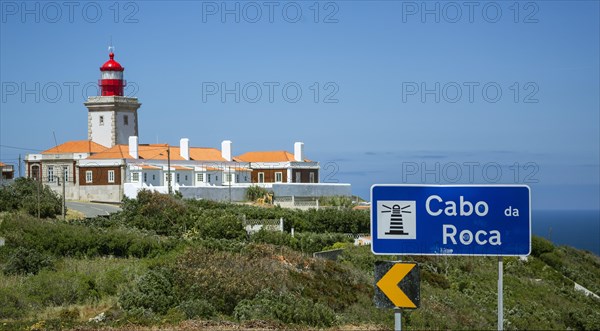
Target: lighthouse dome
[111,65]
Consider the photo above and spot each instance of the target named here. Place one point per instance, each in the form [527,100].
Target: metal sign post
[397,319]
[500,297]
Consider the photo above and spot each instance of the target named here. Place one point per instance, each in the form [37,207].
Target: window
[261,177]
[111,176]
[101,119]
[153,177]
[135,177]
[145,177]
[227,178]
[278,177]
[312,177]
[66,173]
[35,172]
[245,178]
[178,178]
[237,178]
[50,173]
[208,177]
[186,177]
[216,178]
[298,177]
[126,119]
[88,176]
[199,178]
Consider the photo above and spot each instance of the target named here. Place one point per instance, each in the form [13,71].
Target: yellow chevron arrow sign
[389,284]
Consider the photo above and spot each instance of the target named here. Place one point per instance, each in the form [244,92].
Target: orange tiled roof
[2,164]
[146,152]
[159,152]
[203,154]
[269,156]
[213,169]
[76,146]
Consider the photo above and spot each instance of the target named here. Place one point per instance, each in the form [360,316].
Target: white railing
[255,225]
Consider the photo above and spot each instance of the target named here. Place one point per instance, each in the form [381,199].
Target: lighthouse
[112,116]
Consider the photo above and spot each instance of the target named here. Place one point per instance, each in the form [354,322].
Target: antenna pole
[169,167]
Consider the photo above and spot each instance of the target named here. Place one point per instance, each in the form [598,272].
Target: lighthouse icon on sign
[396,224]
[396,220]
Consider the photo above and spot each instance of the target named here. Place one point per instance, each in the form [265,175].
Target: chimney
[133,146]
[226,150]
[184,148]
[299,151]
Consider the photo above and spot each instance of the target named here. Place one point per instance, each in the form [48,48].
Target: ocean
[576,228]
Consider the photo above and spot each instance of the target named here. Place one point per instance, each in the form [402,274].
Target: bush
[27,261]
[336,201]
[12,303]
[435,279]
[197,308]
[24,194]
[284,307]
[254,192]
[161,213]
[218,225]
[61,288]
[316,242]
[63,239]
[153,291]
[540,246]
[275,238]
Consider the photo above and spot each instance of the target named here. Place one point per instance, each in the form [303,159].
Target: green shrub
[28,194]
[152,291]
[161,213]
[314,242]
[540,246]
[63,239]
[336,201]
[275,238]
[61,288]
[254,192]
[435,279]
[218,225]
[13,303]
[197,308]
[284,307]
[27,261]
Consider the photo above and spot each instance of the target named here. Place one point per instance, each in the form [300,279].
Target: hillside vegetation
[172,263]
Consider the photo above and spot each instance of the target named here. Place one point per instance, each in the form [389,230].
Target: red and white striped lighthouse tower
[112,117]
[111,81]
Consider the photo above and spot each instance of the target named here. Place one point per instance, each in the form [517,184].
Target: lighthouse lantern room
[111,81]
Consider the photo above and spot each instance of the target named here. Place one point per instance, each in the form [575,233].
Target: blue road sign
[451,219]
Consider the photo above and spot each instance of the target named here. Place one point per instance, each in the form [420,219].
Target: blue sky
[371,61]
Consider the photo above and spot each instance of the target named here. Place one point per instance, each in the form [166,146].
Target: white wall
[183,181]
[125,131]
[107,193]
[101,134]
[152,177]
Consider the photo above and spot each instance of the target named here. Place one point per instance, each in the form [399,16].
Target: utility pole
[19,165]
[64,207]
[169,168]
[229,177]
[39,181]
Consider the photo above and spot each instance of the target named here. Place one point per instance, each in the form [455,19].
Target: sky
[379,91]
